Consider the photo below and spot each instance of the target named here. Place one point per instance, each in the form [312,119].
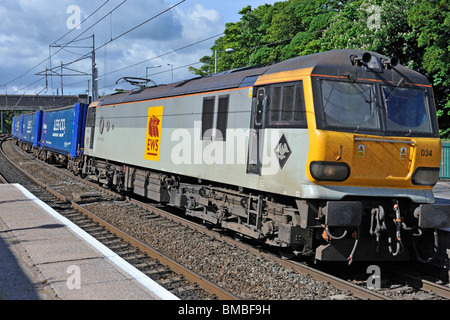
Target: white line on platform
[151,285]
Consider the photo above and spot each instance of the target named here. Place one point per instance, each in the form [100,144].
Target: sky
[37,36]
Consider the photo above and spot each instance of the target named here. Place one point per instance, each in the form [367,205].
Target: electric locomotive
[331,155]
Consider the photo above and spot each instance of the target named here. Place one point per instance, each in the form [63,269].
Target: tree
[431,21]
[379,26]
[311,19]
[416,31]
[272,33]
[248,38]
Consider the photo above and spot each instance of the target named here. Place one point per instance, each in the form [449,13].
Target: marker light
[329,171]
[425,176]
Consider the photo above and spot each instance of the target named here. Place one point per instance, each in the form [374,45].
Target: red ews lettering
[153,139]
[153,124]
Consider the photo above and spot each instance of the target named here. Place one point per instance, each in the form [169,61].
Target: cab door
[256,137]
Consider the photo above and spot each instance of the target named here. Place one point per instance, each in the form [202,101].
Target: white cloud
[199,22]
[27,28]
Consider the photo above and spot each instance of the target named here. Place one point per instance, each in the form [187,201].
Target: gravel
[243,273]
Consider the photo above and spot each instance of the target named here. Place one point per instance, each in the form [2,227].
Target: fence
[445,161]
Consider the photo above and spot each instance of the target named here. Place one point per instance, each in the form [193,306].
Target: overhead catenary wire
[71,30]
[135,27]
[46,59]
[113,39]
[161,72]
[165,54]
[141,24]
[121,35]
[138,63]
[85,56]
[304,33]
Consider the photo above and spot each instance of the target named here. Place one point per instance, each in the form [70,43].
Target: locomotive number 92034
[426,153]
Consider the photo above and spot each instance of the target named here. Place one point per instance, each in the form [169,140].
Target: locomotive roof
[336,63]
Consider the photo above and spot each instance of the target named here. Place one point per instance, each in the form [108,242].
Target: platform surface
[441,192]
[44,256]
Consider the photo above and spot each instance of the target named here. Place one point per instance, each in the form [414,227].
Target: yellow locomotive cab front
[349,159]
[372,133]
[374,156]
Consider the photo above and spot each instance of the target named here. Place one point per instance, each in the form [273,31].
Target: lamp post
[146,69]
[215,64]
[172,70]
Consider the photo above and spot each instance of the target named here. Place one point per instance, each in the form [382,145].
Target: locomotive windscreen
[369,108]
[407,109]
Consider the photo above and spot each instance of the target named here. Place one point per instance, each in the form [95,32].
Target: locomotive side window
[208,117]
[288,103]
[299,110]
[222,118]
[287,106]
[208,113]
[261,99]
[275,107]
[90,122]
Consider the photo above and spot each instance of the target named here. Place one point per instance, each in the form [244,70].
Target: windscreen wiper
[401,82]
[359,89]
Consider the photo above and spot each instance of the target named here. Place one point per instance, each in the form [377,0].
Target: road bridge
[33,102]
[20,103]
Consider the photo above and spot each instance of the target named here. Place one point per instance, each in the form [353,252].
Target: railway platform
[442,192]
[44,256]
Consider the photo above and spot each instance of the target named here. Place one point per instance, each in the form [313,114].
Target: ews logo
[153,140]
[153,125]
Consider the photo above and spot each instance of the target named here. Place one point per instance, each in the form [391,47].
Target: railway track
[432,288]
[247,271]
[396,281]
[182,282]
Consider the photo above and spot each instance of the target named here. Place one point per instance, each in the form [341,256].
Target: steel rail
[343,285]
[438,289]
[422,284]
[189,275]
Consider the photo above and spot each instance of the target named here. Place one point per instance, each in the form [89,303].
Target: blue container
[16,127]
[79,124]
[13,126]
[31,128]
[20,125]
[63,130]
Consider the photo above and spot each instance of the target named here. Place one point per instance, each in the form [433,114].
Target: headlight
[329,171]
[425,176]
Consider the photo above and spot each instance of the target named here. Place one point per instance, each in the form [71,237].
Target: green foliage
[431,20]
[7,121]
[416,31]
